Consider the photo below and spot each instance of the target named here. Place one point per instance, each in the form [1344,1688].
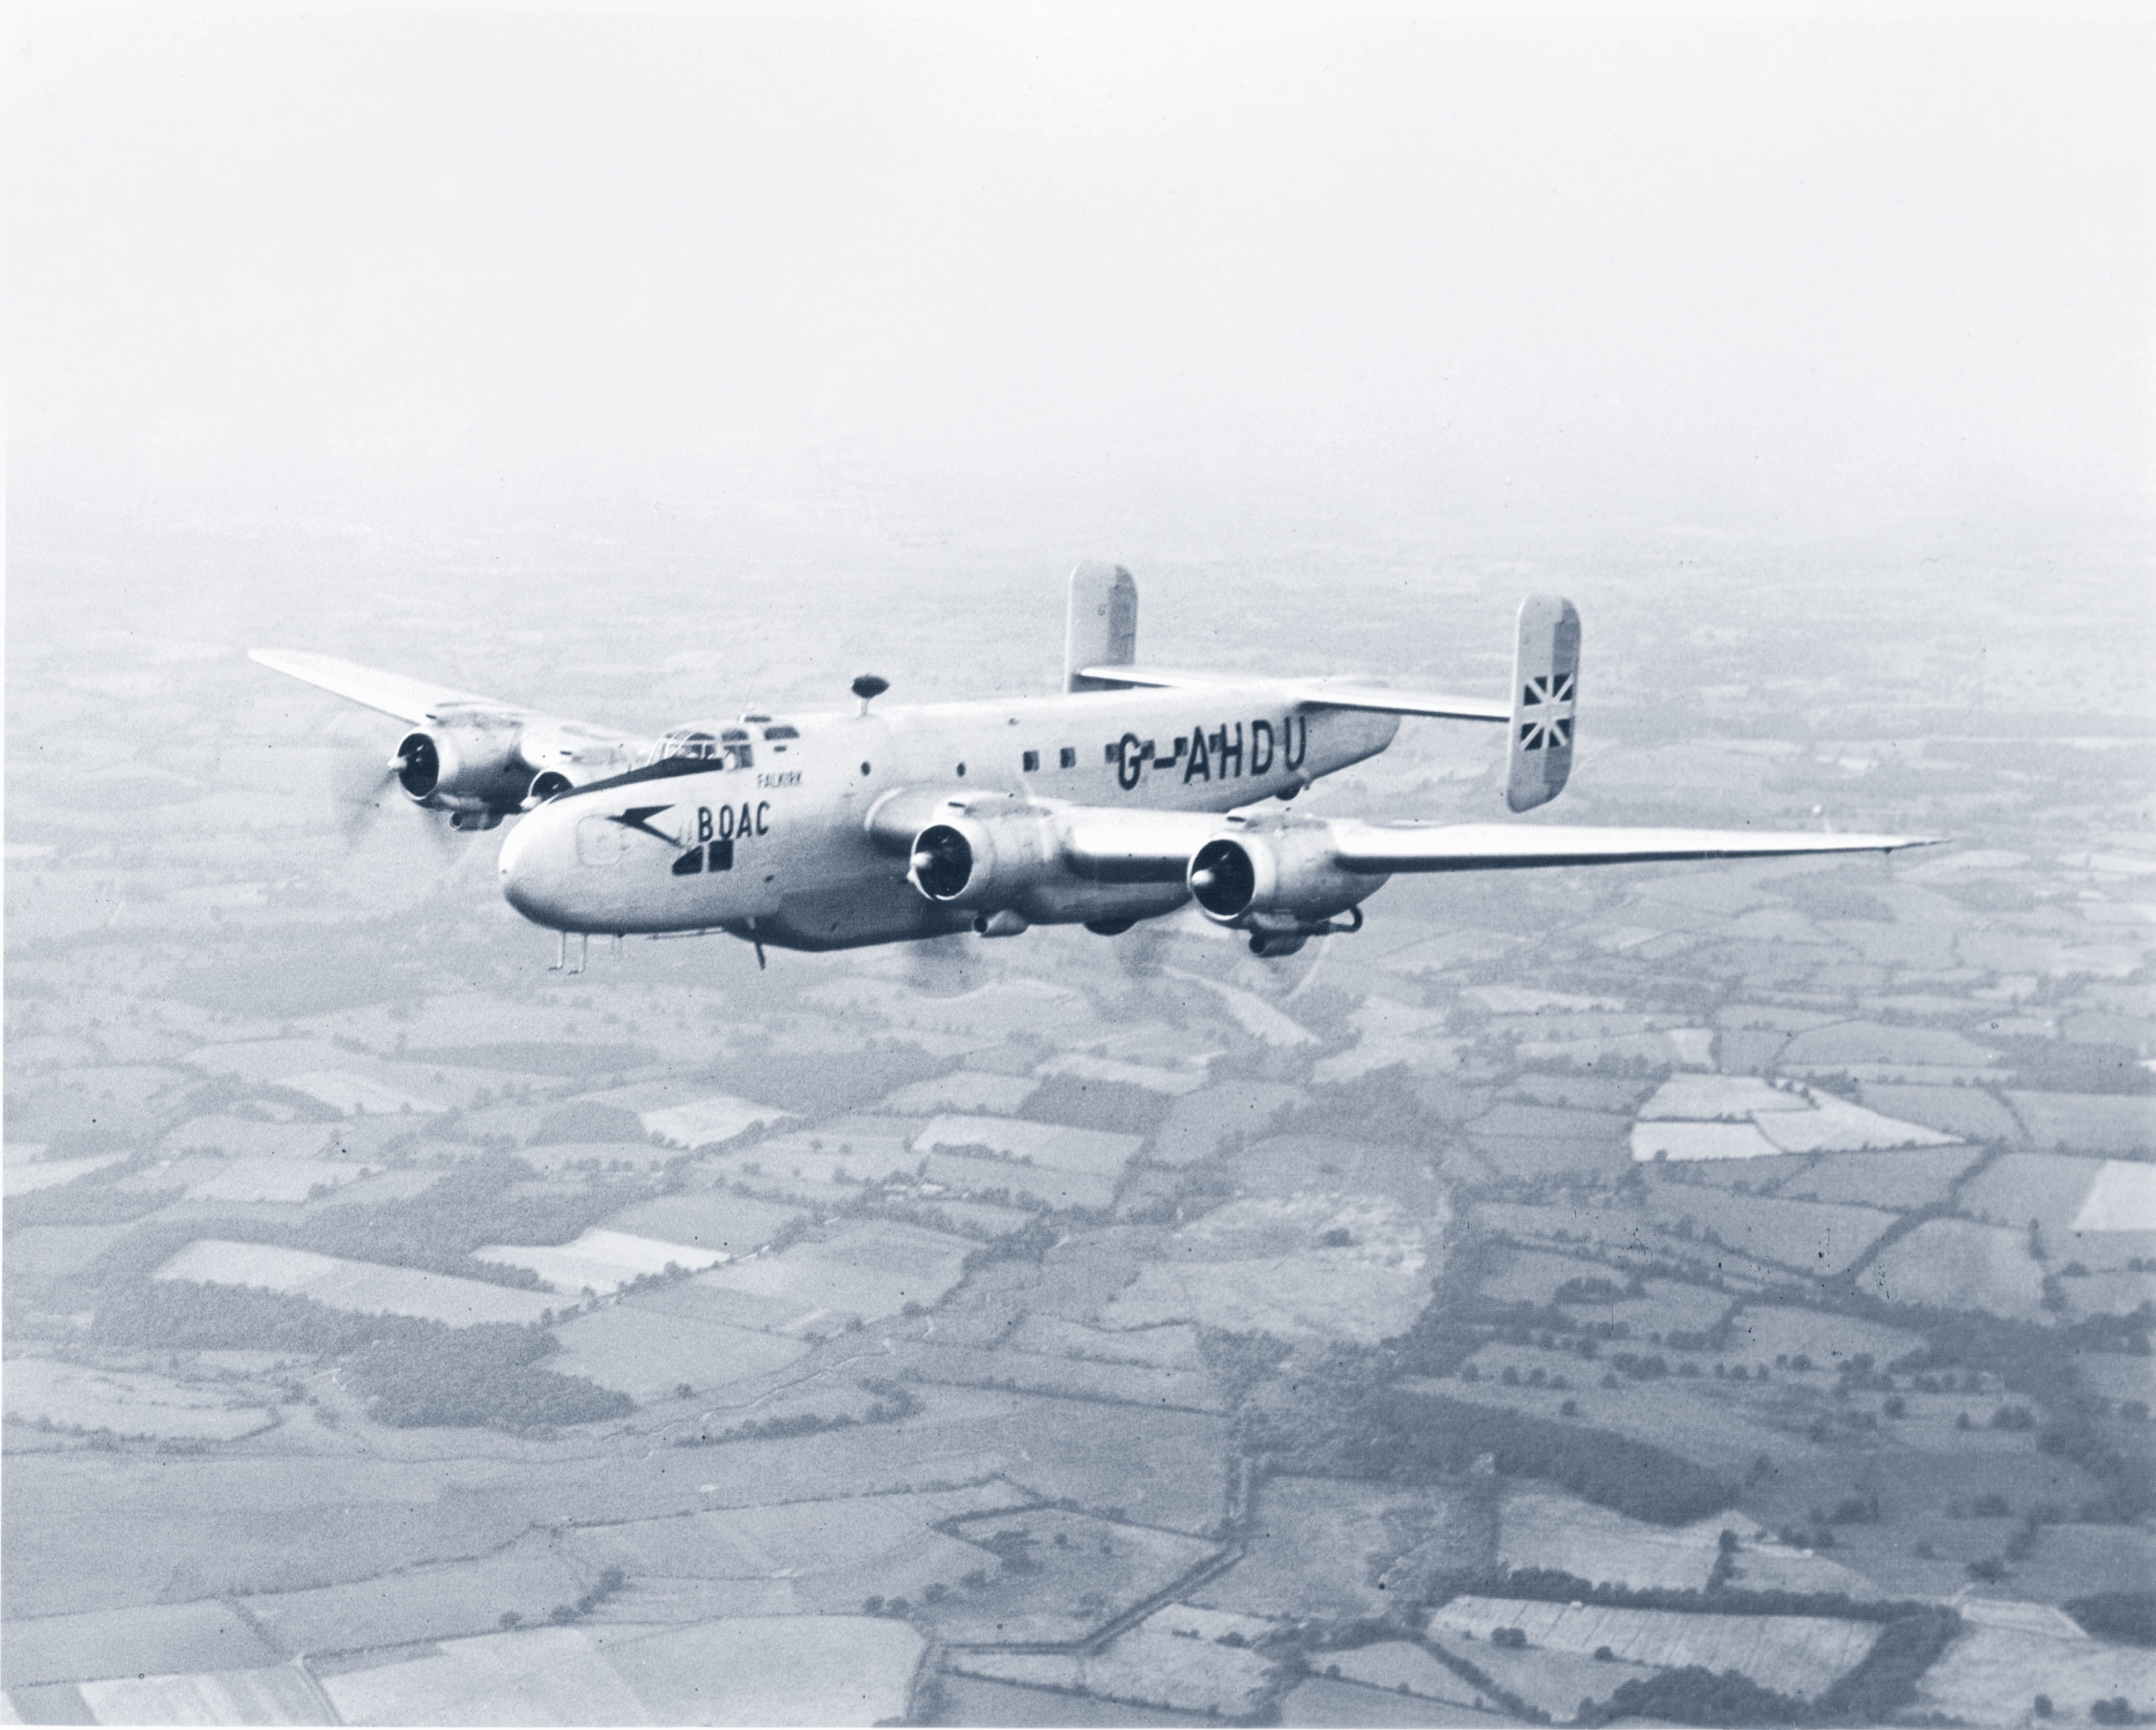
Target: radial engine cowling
[1281,885]
[450,767]
[985,864]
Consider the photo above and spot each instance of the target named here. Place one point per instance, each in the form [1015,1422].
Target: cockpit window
[784,729]
[688,742]
[728,748]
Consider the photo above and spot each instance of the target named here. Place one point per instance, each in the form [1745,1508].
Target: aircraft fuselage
[804,845]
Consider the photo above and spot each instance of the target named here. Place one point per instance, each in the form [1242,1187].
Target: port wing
[1378,849]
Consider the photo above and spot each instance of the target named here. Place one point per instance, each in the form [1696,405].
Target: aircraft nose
[534,868]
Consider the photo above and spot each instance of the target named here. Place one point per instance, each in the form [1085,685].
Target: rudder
[1102,629]
[1545,700]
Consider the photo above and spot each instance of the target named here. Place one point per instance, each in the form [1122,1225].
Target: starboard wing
[561,753]
[406,698]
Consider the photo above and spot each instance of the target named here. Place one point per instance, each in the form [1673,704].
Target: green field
[365,1288]
[639,1348]
[1768,1333]
[152,1639]
[1808,1236]
[1321,1547]
[126,1402]
[1058,1575]
[708,1219]
[1957,1264]
[1991,1673]
[1798,1655]
[778,1671]
[2089,1123]
[529,1578]
[2048,1187]
[868,1271]
[1145,1666]
[1351,1705]
[1543,1528]
[1909,1177]
[1973,1113]
[976,1700]
[1199,1123]
[282,1694]
[1262,1263]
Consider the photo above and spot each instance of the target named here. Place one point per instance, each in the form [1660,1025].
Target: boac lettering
[749,820]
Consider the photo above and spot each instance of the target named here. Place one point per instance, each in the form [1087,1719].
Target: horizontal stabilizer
[1378,848]
[1320,693]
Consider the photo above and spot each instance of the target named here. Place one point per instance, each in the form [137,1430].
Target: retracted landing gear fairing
[1135,790]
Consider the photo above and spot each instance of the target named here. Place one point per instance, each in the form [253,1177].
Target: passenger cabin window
[1033,760]
[1068,757]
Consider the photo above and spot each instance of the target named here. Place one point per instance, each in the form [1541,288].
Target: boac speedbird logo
[1546,708]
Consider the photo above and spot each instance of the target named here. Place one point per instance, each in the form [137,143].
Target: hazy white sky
[275,259]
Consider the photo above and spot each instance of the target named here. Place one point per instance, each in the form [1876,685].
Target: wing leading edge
[1378,849]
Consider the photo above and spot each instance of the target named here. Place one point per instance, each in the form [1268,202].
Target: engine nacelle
[469,767]
[989,863]
[1282,884]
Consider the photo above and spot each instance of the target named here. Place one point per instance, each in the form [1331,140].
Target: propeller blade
[360,789]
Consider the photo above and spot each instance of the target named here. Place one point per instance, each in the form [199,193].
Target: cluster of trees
[1239,1361]
[1409,1435]
[93,1198]
[891,1403]
[413,1372]
[1549,1585]
[2130,1616]
[1695,1695]
[487,1375]
[2037,1362]
[1115,1107]
[487,1199]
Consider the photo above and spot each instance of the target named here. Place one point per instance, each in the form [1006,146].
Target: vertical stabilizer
[1545,700]
[1103,627]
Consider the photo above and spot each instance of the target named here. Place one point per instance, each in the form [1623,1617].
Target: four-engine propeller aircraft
[1137,789]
